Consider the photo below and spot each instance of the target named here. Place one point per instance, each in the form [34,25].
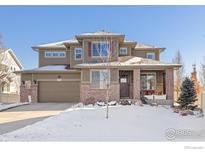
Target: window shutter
[89,49]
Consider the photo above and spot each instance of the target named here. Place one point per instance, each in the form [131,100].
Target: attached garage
[59,91]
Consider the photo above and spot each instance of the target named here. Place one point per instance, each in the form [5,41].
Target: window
[148,81]
[123,51]
[78,53]
[55,54]
[99,79]
[5,87]
[100,49]
[150,55]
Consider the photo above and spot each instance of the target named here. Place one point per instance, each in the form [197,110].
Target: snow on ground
[126,123]
[5,106]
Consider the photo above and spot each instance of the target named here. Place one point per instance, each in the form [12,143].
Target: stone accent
[86,92]
[136,84]
[25,92]
[170,83]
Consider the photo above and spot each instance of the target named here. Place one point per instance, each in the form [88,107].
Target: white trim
[51,52]
[92,70]
[92,49]
[75,53]
[123,53]
[155,78]
[151,53]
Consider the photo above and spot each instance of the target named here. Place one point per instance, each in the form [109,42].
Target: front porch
[154,84]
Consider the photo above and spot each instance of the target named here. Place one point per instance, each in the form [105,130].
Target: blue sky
[173,27]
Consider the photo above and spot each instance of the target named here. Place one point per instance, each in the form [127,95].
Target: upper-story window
[150,55]
[78,53]
[54,54]
[123,51]
[100,49]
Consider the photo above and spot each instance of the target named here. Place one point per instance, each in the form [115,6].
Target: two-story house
[9,81]
[78,69]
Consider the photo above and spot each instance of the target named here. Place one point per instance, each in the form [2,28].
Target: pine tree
[188,93]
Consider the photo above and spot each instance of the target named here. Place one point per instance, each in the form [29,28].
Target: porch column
[170,83]
[136,84]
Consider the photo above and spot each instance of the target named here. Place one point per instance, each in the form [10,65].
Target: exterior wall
[25,92]
[44,76]
[143,53]
[87,93]
[170,83]
[136,84]
[129,50]
[53,61]
[9,98]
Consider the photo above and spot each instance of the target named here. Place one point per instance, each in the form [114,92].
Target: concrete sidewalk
[22,116]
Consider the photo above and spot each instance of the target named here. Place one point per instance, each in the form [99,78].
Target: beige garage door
[63,91]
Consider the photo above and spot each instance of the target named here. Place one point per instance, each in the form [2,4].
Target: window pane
[104,79]
[147,81]
[95,79]
[96,49]
[78,56]
[104,49]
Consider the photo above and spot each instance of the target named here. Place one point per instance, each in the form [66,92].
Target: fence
[9,98]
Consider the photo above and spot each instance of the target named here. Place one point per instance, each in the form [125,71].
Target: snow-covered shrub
[125,102]
[112,103]
[100,103]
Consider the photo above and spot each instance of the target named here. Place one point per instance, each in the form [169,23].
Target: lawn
[125,123]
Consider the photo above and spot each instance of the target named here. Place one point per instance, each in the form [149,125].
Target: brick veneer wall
[87,92]
[170,83]
[136,84]
[25,92]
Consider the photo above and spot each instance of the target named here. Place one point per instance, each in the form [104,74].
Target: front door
[124,85]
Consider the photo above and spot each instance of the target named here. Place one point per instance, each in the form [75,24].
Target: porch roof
[129,62]
[50,69]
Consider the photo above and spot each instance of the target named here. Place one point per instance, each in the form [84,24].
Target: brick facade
[86,93]
[170,83]
[136,84]
[25,92]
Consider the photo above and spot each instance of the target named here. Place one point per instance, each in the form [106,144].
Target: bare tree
[6,74]
[106,58]
[1,41]
[179,73]
[202,73]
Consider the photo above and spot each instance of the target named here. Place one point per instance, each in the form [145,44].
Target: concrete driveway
[22,116]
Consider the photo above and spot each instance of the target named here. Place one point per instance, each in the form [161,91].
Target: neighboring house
[9,81]
[73,70]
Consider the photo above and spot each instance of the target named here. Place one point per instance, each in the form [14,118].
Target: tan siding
[86,75]
[28,76]
[52,61]
[59,91]
[143,54]
[129,51]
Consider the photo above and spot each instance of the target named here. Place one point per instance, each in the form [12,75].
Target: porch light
[59,78]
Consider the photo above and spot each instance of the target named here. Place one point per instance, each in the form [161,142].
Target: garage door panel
[64,91]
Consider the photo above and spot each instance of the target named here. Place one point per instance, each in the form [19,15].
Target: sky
[173,27]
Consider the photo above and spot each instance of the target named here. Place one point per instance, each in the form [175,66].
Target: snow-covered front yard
[125,123]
